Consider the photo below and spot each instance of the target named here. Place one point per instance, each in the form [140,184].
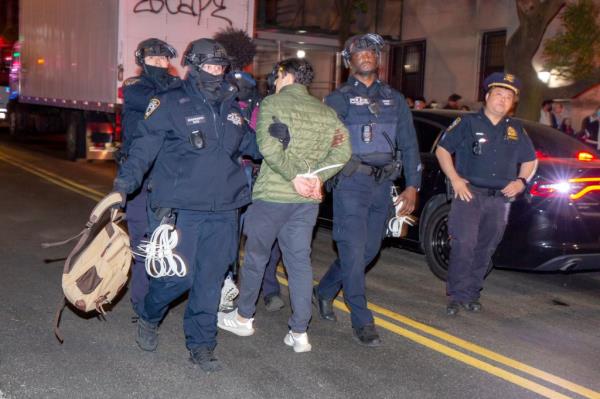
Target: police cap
[153,47]
[205,51]
[499,79]
[356,43]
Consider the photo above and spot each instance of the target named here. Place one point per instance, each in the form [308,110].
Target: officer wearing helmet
[191,138]
[494,158]
[383,142]
[153,57]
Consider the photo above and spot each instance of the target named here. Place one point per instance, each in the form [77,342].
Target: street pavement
[538,335]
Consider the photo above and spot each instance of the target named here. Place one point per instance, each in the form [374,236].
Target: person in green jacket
[294,134]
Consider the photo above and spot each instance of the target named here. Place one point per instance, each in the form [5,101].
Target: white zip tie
[158,251]
[314,174]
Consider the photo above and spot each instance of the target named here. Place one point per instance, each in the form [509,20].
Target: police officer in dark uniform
[153,56]
[494,160]
[192,138]
[383,139]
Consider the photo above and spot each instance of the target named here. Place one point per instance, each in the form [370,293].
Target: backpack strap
[61,307]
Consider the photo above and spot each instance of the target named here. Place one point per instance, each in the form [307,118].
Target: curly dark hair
[301,69]
[239,47]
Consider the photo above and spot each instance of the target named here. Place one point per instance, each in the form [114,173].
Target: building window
[492,56]
[407,68]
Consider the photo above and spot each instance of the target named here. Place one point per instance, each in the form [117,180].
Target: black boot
[472,306]
[325,306]
[206,359]
[453,308]
[147,335]
[367,336]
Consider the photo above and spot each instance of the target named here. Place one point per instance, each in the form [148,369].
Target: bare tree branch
[575,88]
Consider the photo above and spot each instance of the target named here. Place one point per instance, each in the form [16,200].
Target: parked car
[553,226]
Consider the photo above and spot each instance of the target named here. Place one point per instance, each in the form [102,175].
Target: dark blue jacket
[487,155]
[184,176]
[351,102]
[137,92]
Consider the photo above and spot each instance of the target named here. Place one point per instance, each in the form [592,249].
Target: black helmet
[204,51]
[368,41]
[153,47]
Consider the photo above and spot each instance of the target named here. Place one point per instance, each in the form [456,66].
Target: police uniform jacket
[392,131]
[194,148]
[487,155]
[137,93]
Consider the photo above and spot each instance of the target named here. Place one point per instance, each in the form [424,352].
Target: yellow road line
[513,378]
[54,178]
[558,381]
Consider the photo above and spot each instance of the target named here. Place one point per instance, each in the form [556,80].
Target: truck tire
[437,243]
[76,137]
[14,123]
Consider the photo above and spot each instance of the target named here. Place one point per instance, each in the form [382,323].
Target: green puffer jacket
[312,125]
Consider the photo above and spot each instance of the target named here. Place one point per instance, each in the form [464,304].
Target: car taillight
[585,156]
[573,189]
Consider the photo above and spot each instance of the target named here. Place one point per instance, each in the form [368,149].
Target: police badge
[152,106]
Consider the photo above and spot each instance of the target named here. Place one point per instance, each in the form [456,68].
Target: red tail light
[573,189]
[585,156]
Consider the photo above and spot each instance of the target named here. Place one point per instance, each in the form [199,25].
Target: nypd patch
[130,81]
[152,106]
[235,118]
[454,124]
[511,133]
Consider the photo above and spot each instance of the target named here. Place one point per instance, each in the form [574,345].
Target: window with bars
[492,56]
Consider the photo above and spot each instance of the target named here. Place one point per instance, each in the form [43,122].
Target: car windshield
[553,143]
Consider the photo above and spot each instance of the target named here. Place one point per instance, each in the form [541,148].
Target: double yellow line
[398,326]
[396,323]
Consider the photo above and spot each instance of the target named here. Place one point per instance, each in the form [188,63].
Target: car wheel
[437,243]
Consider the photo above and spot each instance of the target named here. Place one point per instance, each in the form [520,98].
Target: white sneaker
[229,291]
[299,341]
[231,323]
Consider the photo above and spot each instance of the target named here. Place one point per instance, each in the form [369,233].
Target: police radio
[197,139]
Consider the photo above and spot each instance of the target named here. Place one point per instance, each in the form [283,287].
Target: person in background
[547,117]
[590,129]
[420,103]
[566,127]
[410,102]
[558,109]
[453,101]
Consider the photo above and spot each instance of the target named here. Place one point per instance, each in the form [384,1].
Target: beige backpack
[97,268]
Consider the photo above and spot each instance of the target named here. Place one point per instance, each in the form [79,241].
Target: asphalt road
[538,336]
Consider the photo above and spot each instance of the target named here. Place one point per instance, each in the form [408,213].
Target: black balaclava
[157,74]
[208,84]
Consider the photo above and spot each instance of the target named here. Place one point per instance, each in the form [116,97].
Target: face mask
[157,73]
[205,80]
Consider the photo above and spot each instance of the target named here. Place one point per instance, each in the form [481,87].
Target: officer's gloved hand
[280,131]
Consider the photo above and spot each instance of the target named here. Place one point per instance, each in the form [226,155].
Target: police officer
[382,137]
[193,136]
[153,56]
[494,159]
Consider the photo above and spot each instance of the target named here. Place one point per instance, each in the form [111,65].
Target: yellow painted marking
[558,381]
[462,357]
[54,178]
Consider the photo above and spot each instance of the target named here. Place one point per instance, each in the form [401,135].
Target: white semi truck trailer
[73,55]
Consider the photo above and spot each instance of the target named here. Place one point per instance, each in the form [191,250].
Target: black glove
[280,131]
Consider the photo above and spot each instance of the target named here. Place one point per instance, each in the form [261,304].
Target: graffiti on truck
[194,8]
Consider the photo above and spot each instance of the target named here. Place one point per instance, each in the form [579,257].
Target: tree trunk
[534,18]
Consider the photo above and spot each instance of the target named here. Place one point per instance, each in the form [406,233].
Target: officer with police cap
[192,137]
[153,57]
[383,139]
[494,158]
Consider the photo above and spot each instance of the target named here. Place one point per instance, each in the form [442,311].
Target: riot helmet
[205,51]
[356,43]
[153,47]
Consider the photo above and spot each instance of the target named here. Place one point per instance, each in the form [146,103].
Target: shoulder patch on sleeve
[454,124]
[130,81]
[152,106]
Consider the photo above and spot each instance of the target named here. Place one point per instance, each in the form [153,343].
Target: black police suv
[553,226]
